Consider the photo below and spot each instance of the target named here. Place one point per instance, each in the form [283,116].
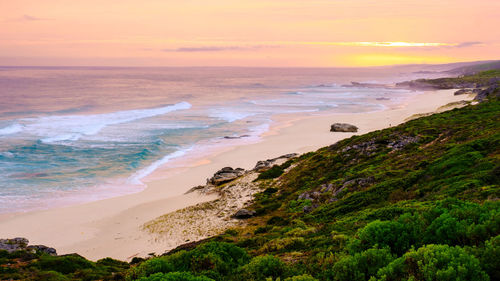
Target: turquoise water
[69,135]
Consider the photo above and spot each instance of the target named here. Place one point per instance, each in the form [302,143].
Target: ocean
[75,134]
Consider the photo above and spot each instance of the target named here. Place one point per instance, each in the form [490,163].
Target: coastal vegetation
[418,201]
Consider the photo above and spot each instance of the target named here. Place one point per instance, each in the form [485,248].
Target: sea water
[76,134]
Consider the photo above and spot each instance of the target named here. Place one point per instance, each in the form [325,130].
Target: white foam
[73,127]
[230,116]
[12,129]
[139,175]
[260,129]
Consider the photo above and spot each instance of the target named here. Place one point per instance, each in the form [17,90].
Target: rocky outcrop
[368,148]
[418,85]
[401,142]
[343,127]
[21,244]
[265,165]
[42,249]
[236,137]
[14,244]
[356,184]
[368,85]
[490,92]
[467,92]
[244,214]
[225,175]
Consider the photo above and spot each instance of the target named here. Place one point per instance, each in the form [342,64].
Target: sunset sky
[320,33]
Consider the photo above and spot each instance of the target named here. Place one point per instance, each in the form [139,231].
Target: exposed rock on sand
[236,137]
[244,214]
[225,175]
[265,165]
[343,127]
[19,243]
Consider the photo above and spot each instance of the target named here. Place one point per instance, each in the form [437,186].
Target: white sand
[112,227]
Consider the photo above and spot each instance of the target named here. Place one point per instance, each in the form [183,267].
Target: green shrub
[174,276]
[63,264]
[490,258]
[272,173]
[217,258]
[51,276]
[434,262]
[390,234]
[263,267]
[212,259]
[285,244]
[360,266]
[304,277]
[112,264]
[276,220]
[149,267]
[446,230]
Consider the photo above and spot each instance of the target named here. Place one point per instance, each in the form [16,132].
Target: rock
[265,165]
[225,175]
[244,214]
[17,244]
[492,91]
[364,147]
[402,142]
[467,92]
[343,127]
[367,85]
[356,183]
[337,191]
[14,244]
[262,166]
[326,187]
[198,187]
[236,137]
[43,249]
[309,195]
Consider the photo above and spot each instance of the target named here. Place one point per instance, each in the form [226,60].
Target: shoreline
[112,227]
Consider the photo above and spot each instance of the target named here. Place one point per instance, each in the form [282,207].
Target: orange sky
[319,33]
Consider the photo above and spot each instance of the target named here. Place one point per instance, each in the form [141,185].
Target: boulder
[42,249]
[244,214]
[343,127]
[21,244]
[265,165]
[14,244]
[225,175]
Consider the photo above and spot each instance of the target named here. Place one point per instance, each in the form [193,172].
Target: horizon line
[240,66]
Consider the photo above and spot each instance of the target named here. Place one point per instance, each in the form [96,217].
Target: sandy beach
[112,227]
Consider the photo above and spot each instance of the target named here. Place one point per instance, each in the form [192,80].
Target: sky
[273,33]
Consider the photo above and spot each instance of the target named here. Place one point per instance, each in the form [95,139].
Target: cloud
[31,18]
[27,18]
[468,44]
